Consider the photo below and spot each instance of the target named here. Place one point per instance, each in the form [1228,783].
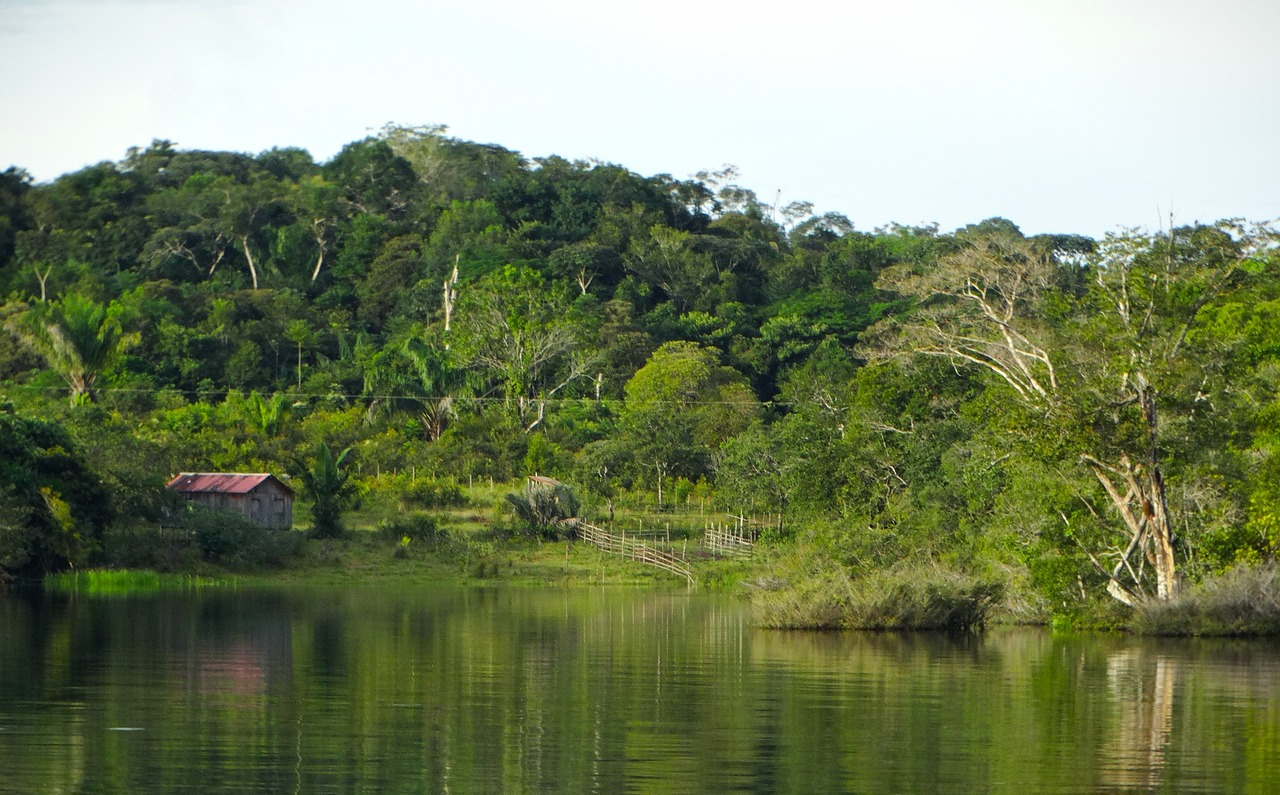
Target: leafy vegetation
[328,482]
[541,510]
[1076,421]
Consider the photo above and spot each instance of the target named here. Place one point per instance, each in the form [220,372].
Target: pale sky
[1082,116]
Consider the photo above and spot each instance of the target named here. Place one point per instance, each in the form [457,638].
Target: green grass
[112,582]
[471,552]
[460,545]
[472,558]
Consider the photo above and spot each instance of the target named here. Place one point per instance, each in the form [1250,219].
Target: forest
[1070,425]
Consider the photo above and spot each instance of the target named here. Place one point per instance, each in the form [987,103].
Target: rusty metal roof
[222,482]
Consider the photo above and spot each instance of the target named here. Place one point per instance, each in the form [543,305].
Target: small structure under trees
[259,497]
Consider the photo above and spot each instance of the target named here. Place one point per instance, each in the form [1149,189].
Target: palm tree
[266,414]
[328,483]
[542,508]
[439,381]
[79,338]
[418,378]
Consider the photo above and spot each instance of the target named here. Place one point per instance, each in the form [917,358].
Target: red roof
[221,482]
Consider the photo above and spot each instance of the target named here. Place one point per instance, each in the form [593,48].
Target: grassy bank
[468,536]
[472,538]
[475,539]
[364,556]
[903,598]
[1242,602]
[106,582]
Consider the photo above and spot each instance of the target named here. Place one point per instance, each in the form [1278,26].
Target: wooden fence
[631,549]
[728,541]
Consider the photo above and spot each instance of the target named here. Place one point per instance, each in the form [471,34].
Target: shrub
[162,549]
[413,526]
[907,597]
[541,509]
[234,541]
[329,483]
[432,493]
[1243,601]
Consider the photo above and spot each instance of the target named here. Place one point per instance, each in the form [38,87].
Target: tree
[420,378]
[1152,366]
[518,327]
[246,210]
[14,215]
[52,508]
[372,177]
[668,261]
[266,415]
[79,338]
[603,468]
[1097,370]
[392,275]
[439,381]
[318,206]
[754,471]
[680,407]
[328,482]
[300,333]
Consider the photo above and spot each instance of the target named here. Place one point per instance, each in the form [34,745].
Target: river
[374,689]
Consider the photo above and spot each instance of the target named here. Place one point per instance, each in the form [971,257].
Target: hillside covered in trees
[1079,420]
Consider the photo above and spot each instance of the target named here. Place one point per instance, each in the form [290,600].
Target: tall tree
[14,215]
[668,261]
[420,378]
[246,210]
[680,407]
[1099,367]
[52,508]
[518,328]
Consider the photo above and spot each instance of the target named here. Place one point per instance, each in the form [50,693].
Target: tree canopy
[1088,418]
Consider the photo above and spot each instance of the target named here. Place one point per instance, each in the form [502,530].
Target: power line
[297,396]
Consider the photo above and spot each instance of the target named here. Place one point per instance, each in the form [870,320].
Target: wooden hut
[259,497]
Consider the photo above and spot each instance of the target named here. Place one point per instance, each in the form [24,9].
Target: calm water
[373,690]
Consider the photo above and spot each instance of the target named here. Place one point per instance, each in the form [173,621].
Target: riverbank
[363,555]
[461,547]
[464,549]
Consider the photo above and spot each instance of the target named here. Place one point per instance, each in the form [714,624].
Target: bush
[413,526]
[162,549]
[432,493]
[231,540]
[1243,601]
[908,597]
[540,511]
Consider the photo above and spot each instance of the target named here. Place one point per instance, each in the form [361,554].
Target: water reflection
[475,691]
[1141,684]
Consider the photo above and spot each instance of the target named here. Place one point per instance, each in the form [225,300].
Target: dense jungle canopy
[1076,417]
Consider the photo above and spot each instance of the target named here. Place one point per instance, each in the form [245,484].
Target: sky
[1085,116]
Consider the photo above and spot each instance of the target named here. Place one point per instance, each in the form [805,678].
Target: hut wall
[270,506]
[267,505]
